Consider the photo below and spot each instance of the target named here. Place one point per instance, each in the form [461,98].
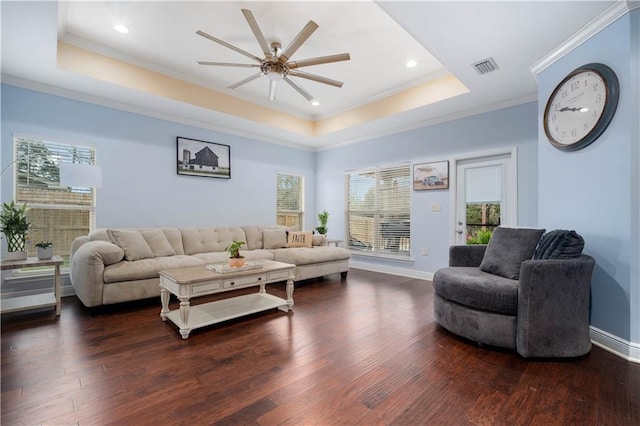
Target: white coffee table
[197,281]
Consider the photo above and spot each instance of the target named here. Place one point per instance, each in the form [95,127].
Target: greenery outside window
[290,201]
[58,214]
[378,216]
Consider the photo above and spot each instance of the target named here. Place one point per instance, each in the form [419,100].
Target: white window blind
[289,200]
[379,210]
[58,214]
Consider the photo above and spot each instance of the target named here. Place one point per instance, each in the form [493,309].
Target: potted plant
[45,250]
[235,260]
[323,217]
[15,226]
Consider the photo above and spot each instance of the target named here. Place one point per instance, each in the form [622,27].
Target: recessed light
[411,63]
[122,29]
[315,103]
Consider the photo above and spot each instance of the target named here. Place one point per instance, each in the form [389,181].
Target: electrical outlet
[425,251]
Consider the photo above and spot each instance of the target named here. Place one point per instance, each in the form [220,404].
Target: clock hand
[568,109]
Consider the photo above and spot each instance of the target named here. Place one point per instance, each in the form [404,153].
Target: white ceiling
[444,37]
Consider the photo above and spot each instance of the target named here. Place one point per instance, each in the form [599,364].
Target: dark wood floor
[363,351]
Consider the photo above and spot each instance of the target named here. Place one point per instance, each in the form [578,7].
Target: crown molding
[135,109]
[525,99]
[592,28]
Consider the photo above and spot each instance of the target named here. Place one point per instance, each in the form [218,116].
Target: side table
[13,304]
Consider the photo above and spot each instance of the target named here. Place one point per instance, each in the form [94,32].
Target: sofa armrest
[470,255]
[553,307]
[86,270]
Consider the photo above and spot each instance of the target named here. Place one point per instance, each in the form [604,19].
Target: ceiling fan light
[315,103]
[274,76]
[122,29]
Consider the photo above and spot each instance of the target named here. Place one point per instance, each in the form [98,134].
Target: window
[290,203]
[58,214]
[379,210]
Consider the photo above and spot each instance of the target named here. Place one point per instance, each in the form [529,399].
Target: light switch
[435,207]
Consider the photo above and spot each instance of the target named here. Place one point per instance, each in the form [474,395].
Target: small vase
[236,262]
[45,253]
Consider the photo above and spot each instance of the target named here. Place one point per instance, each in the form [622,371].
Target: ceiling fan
[276,64]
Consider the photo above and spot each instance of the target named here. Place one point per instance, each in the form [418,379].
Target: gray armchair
[544,312]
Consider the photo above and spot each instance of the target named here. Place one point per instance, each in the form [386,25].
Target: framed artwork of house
[200,158]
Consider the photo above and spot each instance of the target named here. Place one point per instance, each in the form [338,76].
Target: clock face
[581,107]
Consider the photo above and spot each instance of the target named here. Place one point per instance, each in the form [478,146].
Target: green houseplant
[323,217]
[45,250]
[235,259]
[15,226]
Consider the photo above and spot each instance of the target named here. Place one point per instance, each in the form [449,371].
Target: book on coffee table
[224,268]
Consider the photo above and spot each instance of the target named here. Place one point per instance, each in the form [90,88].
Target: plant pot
[16,255]
[236,262]
[45,253]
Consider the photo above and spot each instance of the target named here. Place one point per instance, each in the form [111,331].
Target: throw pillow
[319,240]
[559,244]
[507,249]
[158,243]
[132,243]
[274,238]
[300,239]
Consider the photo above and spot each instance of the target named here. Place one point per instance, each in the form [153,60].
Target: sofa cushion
[319,240]
[147,268]
[306,256]
[299,239]
[206,240]
[254,237]
[132,243]
[471,287]
[559,244]
[158,243]
[508,248]
[274,238]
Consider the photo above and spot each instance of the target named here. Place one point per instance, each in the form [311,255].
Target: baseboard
[614,344]
[403,272]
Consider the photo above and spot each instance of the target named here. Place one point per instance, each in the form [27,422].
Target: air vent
[485,66]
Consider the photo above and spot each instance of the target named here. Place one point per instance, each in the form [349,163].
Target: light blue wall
[595,190]
[515,126]
[138,158]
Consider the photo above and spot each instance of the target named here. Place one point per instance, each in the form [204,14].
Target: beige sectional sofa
[117,265]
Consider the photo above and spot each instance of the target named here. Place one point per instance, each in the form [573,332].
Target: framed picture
[429,176]
[200,158]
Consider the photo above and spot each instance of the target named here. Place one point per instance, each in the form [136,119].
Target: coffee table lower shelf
[224,310]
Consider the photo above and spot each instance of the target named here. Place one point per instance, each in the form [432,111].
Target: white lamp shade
[80,175]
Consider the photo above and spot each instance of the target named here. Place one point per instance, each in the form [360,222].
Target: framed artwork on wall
[430,176]
[200,158]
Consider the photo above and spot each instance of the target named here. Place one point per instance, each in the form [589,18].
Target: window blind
[58,214]
[379,210]
[289,200]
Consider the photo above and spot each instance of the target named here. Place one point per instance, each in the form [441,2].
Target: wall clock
[581,107]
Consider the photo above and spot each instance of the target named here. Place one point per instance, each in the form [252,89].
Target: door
[485,196]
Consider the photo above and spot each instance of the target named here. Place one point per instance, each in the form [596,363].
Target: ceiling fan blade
[317,78]
[230,46]
[319,60]
[228,64]
[302,36]
[272,90]
[253,24]
[246,80]
[298,88]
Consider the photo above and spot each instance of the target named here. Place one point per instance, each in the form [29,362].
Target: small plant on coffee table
[235,259]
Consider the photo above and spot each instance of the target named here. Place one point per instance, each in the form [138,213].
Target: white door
[485,196]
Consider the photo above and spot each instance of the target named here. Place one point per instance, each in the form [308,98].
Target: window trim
[25,273]
[403,255]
